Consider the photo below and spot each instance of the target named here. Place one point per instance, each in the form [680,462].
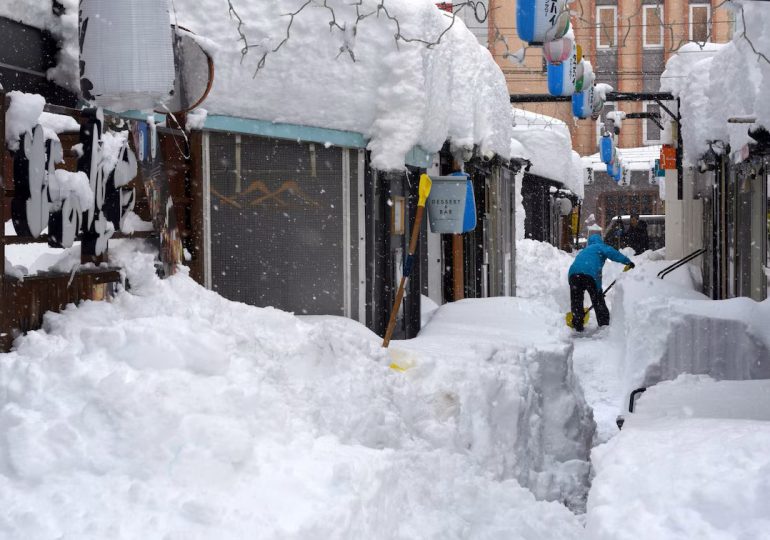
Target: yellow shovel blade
[401,360]
[569,319]
[424,190]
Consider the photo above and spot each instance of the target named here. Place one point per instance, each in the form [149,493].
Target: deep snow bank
[670,329]
[541,272]
[506,360]
[173,413]
[693,462]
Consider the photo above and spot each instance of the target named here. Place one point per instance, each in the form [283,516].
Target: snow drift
[173,413]
[671,329]
[692,462]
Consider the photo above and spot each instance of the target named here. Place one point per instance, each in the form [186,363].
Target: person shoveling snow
[585,274]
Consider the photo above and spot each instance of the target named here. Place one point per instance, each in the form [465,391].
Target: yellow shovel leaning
[424,190]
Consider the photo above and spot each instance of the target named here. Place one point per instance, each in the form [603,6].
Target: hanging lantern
[558,50]
[614,171]
[126,56]
[585,95]
[584,74]
[538,21]
[606,147]
[583,102]
[561,77]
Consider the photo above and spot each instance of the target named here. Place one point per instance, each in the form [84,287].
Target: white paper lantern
[562,77]
[126,55]
[559,50]
[538,21]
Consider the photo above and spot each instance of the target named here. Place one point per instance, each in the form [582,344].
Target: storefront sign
[668,157]
[451,205]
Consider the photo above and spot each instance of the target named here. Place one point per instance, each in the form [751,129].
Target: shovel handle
[405,276]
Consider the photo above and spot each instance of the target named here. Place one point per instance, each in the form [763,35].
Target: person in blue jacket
[585,274]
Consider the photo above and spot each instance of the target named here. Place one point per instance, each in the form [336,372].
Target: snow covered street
[213,419]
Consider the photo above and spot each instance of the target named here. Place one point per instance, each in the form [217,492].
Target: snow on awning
[716,82]
[547,144]
[396,95]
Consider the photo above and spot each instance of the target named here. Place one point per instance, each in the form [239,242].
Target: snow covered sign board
[451,205]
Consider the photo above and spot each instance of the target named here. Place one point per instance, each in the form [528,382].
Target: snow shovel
[424,191]
[568,317]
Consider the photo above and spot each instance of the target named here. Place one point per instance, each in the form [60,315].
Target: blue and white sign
[538,21]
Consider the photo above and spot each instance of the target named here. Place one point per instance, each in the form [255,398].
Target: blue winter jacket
[590,260]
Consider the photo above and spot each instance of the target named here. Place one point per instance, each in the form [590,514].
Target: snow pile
[173,413]
[62,183]
[22,115]
[541,272]
[671,329]
[705,80]
[58,123]
[26,111]
[546,142]
[694,462]
[505,373]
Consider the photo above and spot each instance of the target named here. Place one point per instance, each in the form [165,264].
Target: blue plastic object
[469,218]
[606,145]
[561,77]
[583,103]
[536,20]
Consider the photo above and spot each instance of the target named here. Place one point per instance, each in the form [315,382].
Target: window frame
[646,141]
[614,39]
[645,18]
[692,8]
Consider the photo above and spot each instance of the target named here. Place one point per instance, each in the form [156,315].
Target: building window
[652,21]
[700,22]
[651,131]
[606,27]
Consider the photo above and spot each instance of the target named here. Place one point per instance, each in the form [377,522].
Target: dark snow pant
[578,285]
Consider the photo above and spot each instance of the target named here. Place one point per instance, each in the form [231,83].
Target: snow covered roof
[641,158]
[398,95]
[718,82]
[547,143]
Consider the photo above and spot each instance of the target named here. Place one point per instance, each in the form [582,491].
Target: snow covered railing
[681,262]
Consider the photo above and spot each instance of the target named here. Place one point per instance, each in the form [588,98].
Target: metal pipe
[632,399]
[611,96]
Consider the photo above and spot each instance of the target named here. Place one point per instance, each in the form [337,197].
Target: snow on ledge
[546,142]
